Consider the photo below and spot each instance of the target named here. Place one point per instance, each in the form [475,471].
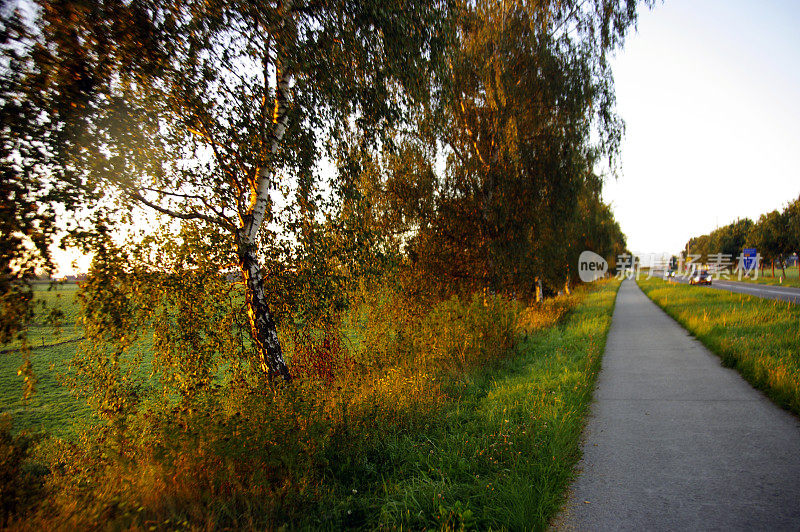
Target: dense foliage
[228,118]
[356,201]
[524,89]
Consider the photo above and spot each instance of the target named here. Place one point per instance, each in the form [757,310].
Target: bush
[458,336]
[244,454]
[544,314]
[19,485]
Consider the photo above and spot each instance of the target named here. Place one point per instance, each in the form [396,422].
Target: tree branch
[566,19]
[223,222]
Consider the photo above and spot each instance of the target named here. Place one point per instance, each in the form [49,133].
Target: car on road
[700,277]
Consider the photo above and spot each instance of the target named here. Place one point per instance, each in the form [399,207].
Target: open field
[757,337]
[52,343]
[56,316]
[479,435]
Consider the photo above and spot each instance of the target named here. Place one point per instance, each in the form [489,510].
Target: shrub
[242,453]
[19,485]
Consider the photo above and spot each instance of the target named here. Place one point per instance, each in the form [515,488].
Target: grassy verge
[758,337]
[765,277]
[503,456]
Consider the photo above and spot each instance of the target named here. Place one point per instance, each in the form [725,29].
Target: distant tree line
[776,236]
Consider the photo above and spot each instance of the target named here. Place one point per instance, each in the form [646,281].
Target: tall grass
[502,454]
[466,414]
[758,337]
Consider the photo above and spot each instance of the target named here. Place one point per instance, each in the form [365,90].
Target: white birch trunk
[262,322]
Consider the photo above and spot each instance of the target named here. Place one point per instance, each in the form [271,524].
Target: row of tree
[776,236]
[306,144]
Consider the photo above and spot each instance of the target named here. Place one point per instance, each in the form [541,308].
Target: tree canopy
[307,142]
[214,111]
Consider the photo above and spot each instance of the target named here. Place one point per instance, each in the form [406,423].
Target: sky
[710,93]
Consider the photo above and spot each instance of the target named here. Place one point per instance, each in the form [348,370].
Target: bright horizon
[710,93]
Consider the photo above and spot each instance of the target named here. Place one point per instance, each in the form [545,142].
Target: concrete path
[677,442]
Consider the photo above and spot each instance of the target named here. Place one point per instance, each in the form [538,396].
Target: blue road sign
[749,258]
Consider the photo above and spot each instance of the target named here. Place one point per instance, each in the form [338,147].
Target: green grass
[52,408]
[766,277]
[758,337]
[503,456]
[46,328]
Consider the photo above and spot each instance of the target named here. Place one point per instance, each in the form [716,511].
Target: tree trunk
[783,266]
[262,323]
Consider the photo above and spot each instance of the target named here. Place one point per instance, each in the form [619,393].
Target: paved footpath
[675,441]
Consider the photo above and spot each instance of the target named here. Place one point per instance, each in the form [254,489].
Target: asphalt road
[784,293]
[675,441]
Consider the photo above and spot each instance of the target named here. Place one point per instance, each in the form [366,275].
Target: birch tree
[529,85]
[213,111]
